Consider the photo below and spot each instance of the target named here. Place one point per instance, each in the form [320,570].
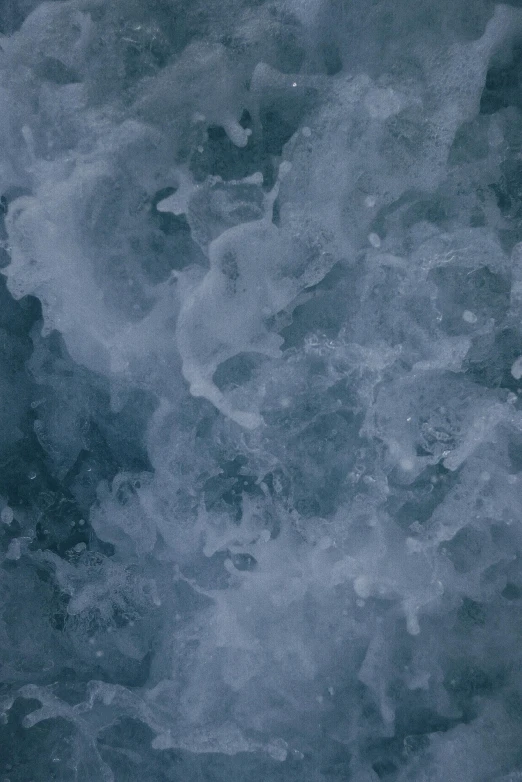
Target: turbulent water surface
[261,358]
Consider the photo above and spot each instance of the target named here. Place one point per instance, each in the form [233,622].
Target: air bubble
[7,515]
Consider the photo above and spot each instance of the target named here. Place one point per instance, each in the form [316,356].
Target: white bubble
[516,369]
[14,550]
[361,586]
[469,316]
[7,515]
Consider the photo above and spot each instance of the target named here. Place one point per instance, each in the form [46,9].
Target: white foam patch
[260,476]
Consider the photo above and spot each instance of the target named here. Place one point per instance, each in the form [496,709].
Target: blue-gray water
[261,366]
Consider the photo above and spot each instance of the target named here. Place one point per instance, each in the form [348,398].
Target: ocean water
[260,391]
